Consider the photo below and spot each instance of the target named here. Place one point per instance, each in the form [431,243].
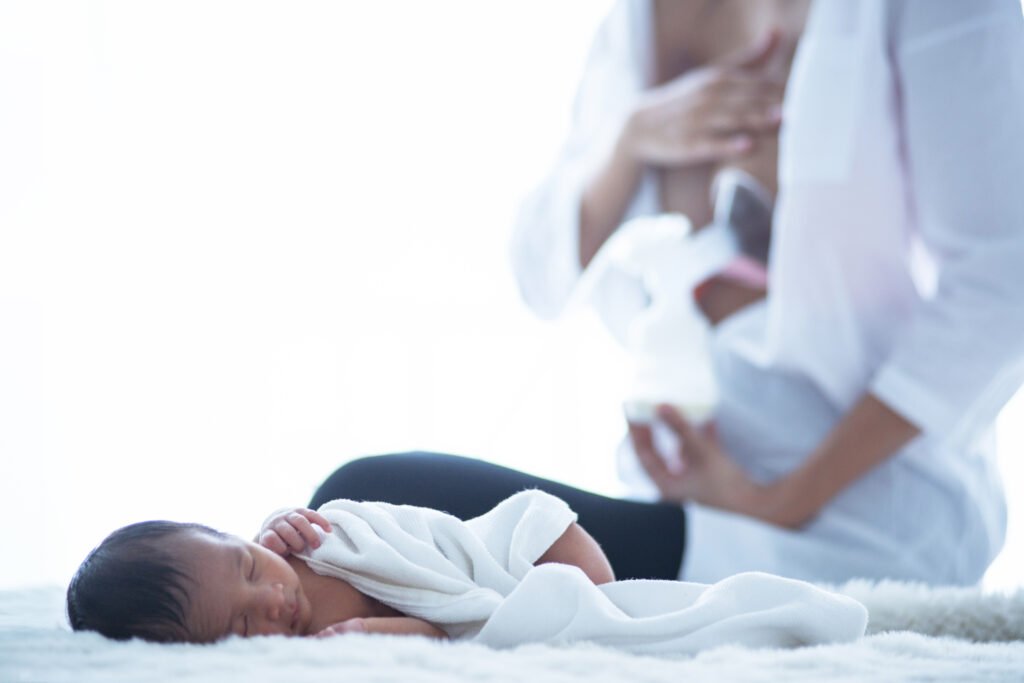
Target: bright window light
[242,242]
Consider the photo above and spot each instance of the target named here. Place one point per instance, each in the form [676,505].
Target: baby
[172,582]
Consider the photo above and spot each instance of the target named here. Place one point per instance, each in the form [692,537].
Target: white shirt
[897,267]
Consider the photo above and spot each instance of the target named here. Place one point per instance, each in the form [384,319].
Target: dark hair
[133,586]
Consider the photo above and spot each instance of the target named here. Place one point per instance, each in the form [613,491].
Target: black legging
[642,540]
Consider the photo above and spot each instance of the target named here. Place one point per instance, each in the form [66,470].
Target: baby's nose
[274,600]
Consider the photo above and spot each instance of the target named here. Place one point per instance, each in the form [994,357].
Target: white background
[243,242]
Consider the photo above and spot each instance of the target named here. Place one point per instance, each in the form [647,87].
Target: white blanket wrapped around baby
[476,580]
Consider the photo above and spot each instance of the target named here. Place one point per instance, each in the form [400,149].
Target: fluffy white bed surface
[36,645]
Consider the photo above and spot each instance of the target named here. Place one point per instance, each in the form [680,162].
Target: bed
[915,633]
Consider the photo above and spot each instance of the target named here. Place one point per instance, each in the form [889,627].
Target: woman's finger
[650,461]
[744,103]
[761,116]
[742,87]
[721,148]
[756,53]
[727,125]
[678,424]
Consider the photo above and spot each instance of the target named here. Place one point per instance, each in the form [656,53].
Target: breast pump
[669,339]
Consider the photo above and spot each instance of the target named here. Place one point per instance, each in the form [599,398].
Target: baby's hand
[355,625]
[396,626]
[291,530]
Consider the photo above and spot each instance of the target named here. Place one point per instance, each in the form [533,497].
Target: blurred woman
[854,432]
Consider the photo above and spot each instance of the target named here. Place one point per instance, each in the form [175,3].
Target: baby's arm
[578,548]
[400,626]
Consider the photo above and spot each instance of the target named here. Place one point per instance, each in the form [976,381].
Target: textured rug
[915,634]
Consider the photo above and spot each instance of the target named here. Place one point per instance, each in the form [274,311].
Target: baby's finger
[316,518]
[289,535]
[305,529]
[353,625]
[272,542]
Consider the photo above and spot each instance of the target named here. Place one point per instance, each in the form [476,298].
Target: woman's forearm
[868,435]
[605,199]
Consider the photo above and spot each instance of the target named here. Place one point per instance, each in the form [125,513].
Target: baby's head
[172,582]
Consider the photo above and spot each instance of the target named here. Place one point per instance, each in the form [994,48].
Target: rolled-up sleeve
[960,73]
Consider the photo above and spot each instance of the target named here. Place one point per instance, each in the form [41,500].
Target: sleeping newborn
[172,582]
[524,572]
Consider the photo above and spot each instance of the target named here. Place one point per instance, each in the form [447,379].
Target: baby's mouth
[295,615]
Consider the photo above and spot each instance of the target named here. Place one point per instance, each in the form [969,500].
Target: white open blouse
[897,267]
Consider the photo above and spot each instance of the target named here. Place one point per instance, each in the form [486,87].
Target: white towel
[476,580]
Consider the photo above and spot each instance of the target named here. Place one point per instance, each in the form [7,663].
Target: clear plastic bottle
[668,340]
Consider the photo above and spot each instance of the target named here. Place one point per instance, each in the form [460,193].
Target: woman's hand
[706,475]
[712,113]
[868,435]
[291,530]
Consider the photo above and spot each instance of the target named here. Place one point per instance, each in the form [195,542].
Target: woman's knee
[377,477]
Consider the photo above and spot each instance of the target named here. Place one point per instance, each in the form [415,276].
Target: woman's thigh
[642,540]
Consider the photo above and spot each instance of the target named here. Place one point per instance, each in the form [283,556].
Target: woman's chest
[687,35]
